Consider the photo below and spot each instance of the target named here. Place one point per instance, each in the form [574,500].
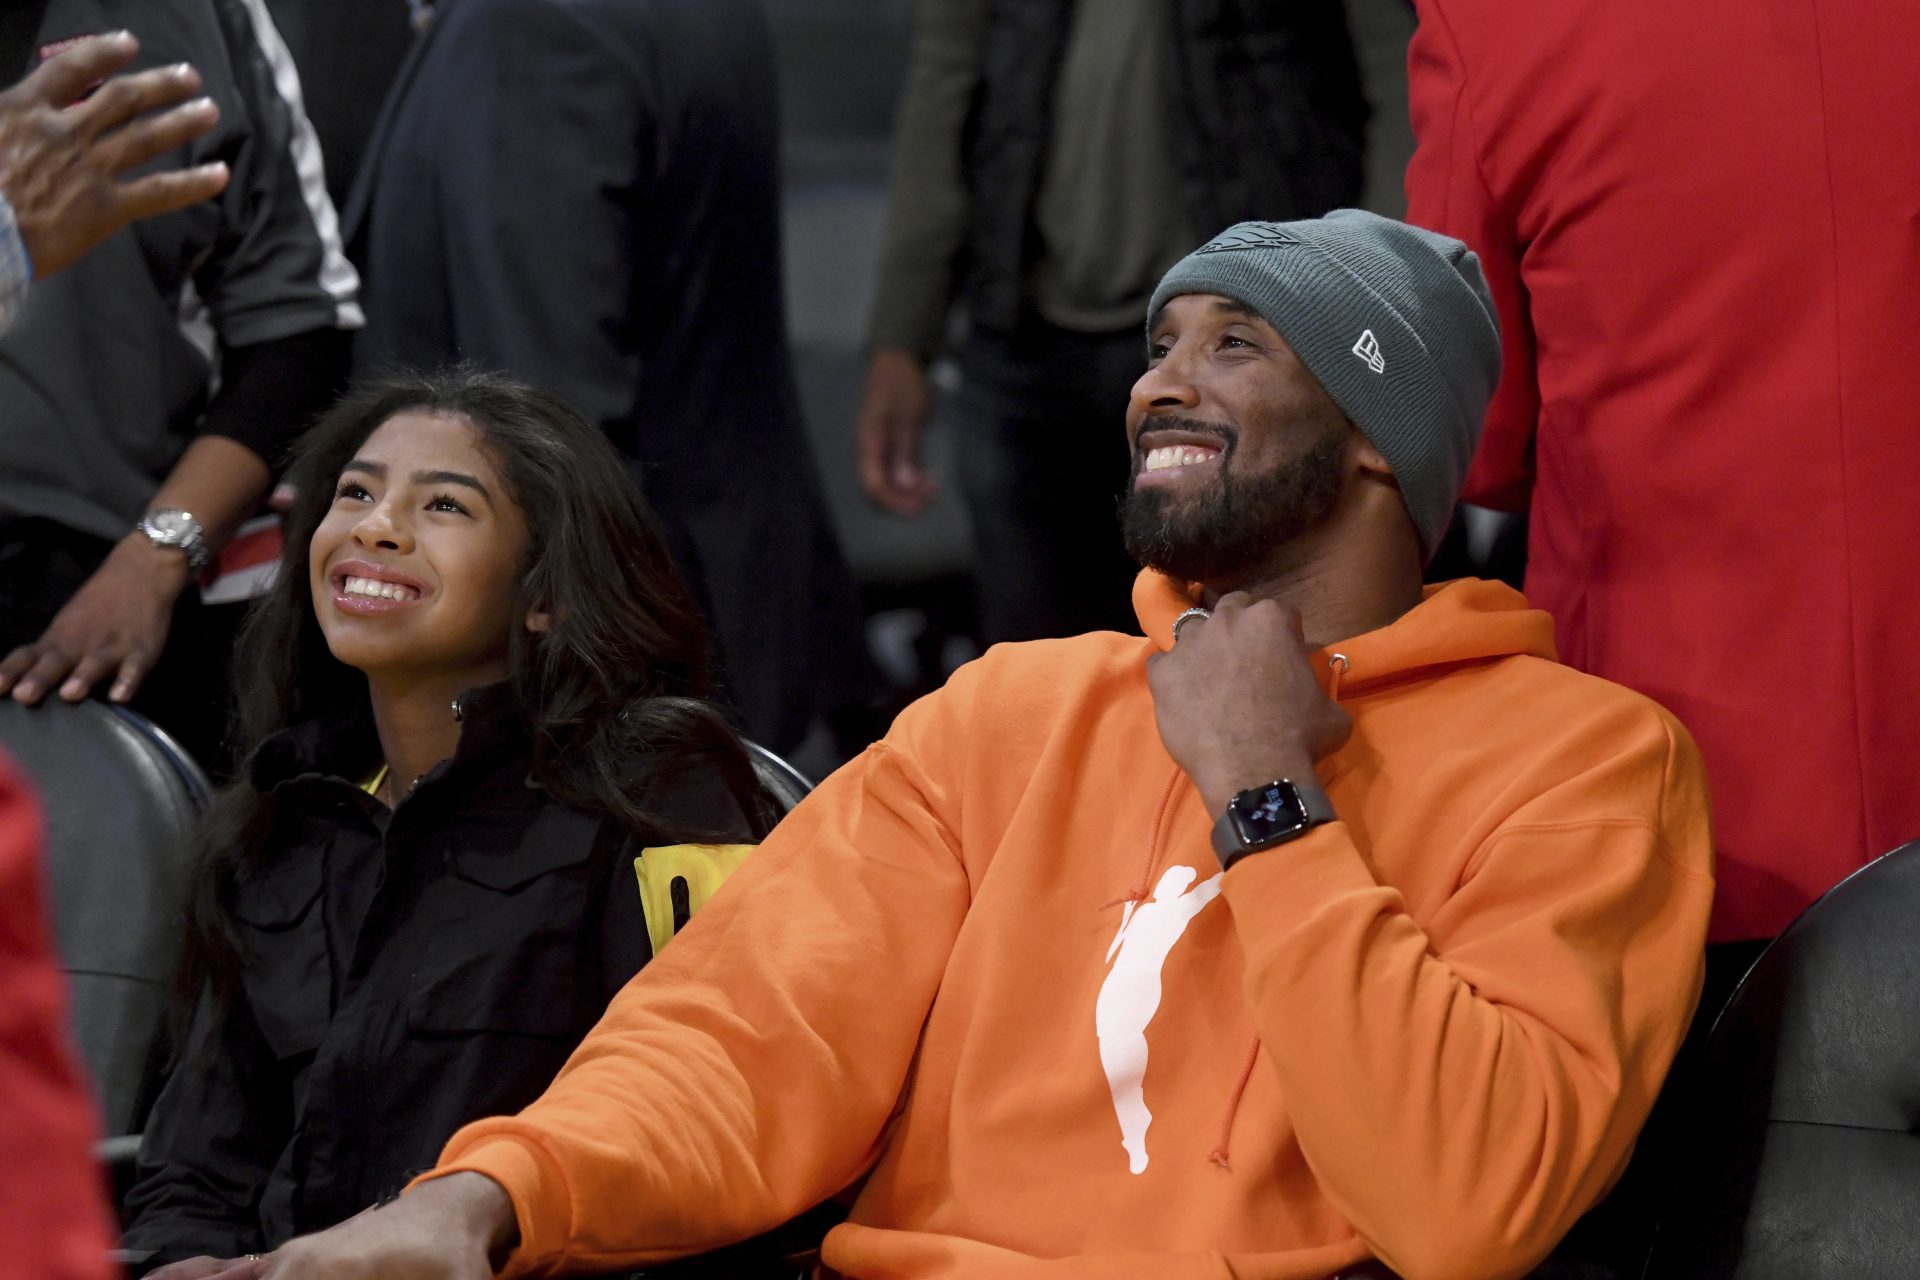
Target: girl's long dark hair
[615,692]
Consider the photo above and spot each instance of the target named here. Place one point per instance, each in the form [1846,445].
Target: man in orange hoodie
[1329,921]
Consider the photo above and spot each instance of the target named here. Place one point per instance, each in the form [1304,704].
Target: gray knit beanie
[1394,321]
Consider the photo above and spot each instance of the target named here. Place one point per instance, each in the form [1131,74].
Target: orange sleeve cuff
[542,1207]
[1300,875]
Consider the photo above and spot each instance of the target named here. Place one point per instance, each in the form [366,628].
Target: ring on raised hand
[1186,617]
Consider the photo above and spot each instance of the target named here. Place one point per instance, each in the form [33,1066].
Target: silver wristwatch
[172,527]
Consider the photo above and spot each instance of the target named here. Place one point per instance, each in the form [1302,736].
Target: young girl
[476,691]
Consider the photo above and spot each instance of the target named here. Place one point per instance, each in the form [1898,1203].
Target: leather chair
[1804,1143]
[122,804]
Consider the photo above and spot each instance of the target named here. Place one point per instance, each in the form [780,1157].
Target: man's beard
[1235,527]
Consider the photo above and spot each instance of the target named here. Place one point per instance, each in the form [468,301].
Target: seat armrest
[116,1152]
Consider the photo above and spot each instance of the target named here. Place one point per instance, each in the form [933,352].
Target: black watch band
[1262,817]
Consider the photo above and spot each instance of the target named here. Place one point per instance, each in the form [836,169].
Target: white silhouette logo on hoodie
[1131,996]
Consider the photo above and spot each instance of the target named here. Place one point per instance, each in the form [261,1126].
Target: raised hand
[1237,700]
[62,157]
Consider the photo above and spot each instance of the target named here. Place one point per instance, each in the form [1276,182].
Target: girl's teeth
[377,589]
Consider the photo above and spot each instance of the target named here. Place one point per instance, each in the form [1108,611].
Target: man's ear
[1368,460]
[540,620]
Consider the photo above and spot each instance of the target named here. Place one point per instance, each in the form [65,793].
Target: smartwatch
[172,527]
[1262,817]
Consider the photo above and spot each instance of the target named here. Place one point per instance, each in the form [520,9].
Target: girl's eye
[442,502]
[351,489]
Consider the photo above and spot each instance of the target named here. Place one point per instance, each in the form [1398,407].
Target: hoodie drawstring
[1219,1153]
[1337,665]
[1140,892]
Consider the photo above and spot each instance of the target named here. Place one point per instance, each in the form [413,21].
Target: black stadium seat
[122,802]
[788,785]
[1804,1144]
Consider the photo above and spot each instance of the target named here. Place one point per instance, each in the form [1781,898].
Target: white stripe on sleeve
[337,275]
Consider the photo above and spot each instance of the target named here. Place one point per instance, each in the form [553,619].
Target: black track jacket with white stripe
[116,364]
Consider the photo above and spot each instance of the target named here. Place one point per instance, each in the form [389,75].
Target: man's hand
[453,1228]
[208,1268]
[1238,703]
[116,624]
[887,436]
[61,158]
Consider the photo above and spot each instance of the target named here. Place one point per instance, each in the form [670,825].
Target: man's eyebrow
[1221,306]
[452,477]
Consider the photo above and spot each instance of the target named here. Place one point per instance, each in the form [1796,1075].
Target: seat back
[122,805]
[787,784]
[1805,1141]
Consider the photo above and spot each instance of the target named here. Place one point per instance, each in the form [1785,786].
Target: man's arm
[115,626]
[926,226]
[1468,1088]
[744,1075]
[1447,191]
[117,623]
[281,296]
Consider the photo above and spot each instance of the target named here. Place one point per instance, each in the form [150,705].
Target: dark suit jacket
[586,195]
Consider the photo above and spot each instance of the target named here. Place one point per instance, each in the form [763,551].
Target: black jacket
[1272,125]
[403,974]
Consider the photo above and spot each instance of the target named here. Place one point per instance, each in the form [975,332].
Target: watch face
[1265,814]
[173,525]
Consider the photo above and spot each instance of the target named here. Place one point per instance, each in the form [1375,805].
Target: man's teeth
[382,590]
[1178,455]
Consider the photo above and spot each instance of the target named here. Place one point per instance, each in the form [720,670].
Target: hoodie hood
[1465,620]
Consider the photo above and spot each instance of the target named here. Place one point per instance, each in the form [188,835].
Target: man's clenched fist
[1238,702]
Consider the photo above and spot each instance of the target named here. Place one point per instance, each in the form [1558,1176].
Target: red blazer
[53,1210]
[1701,221]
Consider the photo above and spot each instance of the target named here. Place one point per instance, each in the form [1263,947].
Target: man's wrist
[1219,784]
[480,1209]
[168,567]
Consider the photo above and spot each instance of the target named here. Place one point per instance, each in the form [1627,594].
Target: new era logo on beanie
[1402,289]
[1368,349]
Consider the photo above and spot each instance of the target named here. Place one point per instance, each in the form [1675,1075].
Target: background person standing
[1699,226]
[147,391]
[603,220]
[1052,160]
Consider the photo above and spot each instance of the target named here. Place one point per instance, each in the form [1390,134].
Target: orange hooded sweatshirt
[993,965]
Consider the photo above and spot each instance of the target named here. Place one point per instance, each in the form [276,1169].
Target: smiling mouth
[1170,456]
[375,589]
